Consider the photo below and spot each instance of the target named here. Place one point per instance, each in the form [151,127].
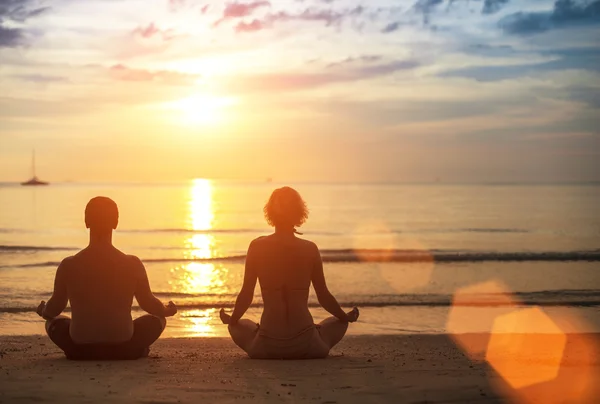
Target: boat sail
[34,181]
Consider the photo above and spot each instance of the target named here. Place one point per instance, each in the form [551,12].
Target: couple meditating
[100,283]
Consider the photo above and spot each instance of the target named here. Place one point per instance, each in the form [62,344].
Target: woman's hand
[352,315]
[225,318]
[170,309]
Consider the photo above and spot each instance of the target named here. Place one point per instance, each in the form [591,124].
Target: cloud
[168,77]
[563,59]
[41,78]
[146,40]
[391,27]
[329,17]
[19,10]
[587,58]
[385,69]
[525,23]
[490,51]
[176,5]
[238,10]
[425,7]
[566,13]
[179,5]
[16,11]
[152,30]
[10,37]
[335,74]
[493,6]
[353,60]
[589,96]
[254,25]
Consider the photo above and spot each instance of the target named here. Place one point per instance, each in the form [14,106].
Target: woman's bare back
[284,265]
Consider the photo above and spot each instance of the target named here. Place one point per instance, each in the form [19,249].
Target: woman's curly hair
[286,208]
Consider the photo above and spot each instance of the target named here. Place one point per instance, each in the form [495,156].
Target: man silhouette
[100,282]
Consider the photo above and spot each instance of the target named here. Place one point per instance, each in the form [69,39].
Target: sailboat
[34,180]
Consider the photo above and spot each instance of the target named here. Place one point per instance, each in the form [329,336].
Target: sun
[201,109]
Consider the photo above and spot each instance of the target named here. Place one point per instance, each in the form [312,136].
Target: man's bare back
[100,282]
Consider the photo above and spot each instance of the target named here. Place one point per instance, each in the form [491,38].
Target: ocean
[415,258]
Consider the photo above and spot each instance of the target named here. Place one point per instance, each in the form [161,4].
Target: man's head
[101,213]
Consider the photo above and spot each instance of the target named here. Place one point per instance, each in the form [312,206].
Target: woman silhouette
[285,266]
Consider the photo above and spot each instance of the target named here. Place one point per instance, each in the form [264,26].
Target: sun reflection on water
[200,323]
[200,278]
[201,205]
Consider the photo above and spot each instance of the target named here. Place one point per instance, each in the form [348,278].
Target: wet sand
[362,369]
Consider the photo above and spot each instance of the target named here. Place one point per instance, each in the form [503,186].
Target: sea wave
[186,230]
[259,231]
[374,255]
[547,298]
[331,233]
[33,248]
[467,230]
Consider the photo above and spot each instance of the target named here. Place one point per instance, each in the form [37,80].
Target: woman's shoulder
[258,239]
[266,240]
[307,243]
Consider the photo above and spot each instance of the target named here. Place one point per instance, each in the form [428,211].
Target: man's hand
[41,308]
[352,315]
[170,309]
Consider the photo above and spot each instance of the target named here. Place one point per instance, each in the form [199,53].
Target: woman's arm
[324,296]
[244,299]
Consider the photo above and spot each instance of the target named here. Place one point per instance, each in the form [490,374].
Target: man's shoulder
[134,263]
[79,256]
[116,256]
[126,259]
[68,261]
[133,259]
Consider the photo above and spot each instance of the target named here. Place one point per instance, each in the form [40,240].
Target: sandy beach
[362,369]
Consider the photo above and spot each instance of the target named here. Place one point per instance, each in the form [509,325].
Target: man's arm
[326,299]
[144,296]
[244,299]
[60,298]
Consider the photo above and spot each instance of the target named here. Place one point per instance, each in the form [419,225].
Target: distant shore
[362,369]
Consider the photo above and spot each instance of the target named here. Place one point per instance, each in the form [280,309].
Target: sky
[301,90]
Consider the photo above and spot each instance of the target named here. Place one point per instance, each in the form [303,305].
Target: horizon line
[309,182]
